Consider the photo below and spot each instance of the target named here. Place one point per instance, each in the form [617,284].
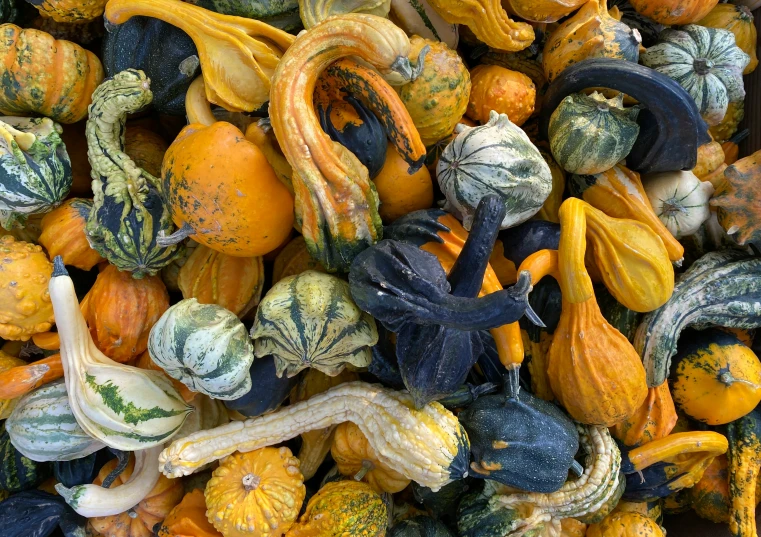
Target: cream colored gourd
[124,407]
[427,445]
[680,200]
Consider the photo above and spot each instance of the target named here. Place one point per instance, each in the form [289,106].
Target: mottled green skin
[744,436]
[479,516]
[128,210]
[18,473]
[283,14]
[8,11]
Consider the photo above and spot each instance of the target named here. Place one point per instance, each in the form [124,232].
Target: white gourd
[679,199]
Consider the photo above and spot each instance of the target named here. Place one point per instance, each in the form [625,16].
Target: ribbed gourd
[205,347]
[680,200]
[63,233]
[739,20]
[502,90]
[311,320]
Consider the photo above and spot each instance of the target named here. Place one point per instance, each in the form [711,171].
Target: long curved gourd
[94,500]
[22,379]
[336,204]
[744,455]
[238,55]
[426,445]
[720,289]
[671,129]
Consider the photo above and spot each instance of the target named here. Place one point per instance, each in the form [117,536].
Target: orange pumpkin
[674,11]
[399,191]
[496,88]
[63,233]
[188,518]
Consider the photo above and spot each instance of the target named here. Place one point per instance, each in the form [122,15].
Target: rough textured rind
[72,11]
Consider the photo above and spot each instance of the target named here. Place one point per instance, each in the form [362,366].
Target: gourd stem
[728,379]
[123,458]
[577,469]
[419,66]
[164,241]
[740,136]
[512,383]
[251,482]
[366,467]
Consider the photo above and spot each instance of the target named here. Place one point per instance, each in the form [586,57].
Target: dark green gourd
[283,14]
[18,473]
[268,390]
[34,513]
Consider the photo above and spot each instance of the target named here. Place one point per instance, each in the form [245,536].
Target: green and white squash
[417,17]
[128,211]
[43,428]
[35,171]
[205,347]
[590,134]
[494,158]
[124,407]
[680,200]
[311,320]
[720,289]
[17,472]
[704,61]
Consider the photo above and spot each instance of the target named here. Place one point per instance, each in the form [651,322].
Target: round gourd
[399,191]
[63,233]
[188,518]
[43,428]
[625,524]
[205,347]
[739,20]
[715,379]
[17,472]
[294,259]
[255,494]
[437,98]
[704,61]
[494,158]
[590,134]
[310,320]
[674,11]
[502,90]
[680,200]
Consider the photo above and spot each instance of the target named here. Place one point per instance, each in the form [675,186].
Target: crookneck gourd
[238,55]
[336,204]
[737,206]
[744,456]
[427,445]
[124,407]
[63,233]
[719,289]
[35,171]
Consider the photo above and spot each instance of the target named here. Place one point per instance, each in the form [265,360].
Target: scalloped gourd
[739,20]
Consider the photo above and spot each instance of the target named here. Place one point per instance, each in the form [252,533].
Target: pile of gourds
[415,268]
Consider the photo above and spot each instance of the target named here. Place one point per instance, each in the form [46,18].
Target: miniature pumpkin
[674,11]
[502,90]
[680,200]
[211,277]
[437,98]
[625,524]
[188,518]
[26,308]
[294,259]
[52,78]
[63,233]
[653,420]
[399,191]
[255,494]
[343,508]
[737,206]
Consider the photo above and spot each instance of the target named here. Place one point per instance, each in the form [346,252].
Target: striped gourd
[43,428]
[494,158]
[310,320]
[704,61]
[35,172]
[205,347]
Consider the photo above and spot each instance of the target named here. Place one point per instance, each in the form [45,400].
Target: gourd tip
[59,269]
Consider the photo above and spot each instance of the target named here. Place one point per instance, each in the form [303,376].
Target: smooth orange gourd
[63,233]
[399,191]
[188,518]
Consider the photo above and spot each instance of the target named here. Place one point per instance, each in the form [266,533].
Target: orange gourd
[674,11]
[399,191]
[505,91]
[654,419]
[146,148]
[294,259]
[63,233]
[188,518]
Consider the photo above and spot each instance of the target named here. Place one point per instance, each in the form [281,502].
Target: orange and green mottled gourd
[343,508]
[188,518]
[399,191]
[545,11]
[653,420]
[674,12]
[255,494]
[222,191]
[744,456]
[63,233]
[71,11]
[25,307]
[738,205]
[505,91]
[44,76]
[625,524]
[710,496]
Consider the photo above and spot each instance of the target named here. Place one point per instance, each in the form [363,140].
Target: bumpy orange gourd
[399,191]
[140,520]
[626,524]
[63,233]
[25,307]
[72,11]
[221,188]
[120,312]
[255,494]
[146,148]
[710,157]
[496,88]
[188,518]
[653,420]
[674,11]
[44,76]
[357,459]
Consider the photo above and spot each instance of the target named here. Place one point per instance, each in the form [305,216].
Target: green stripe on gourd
[17,472]
[205,347]
[310,320]
[43,427]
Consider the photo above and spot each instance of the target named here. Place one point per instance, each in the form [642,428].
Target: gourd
[8,363]
[122,406]
[618,192]
[26,309]
[355,458]
[520,440]
[144,513]
[261,134]
[729,125]
[496,157]
[427,445]
[744,461]
[653,420]
[625,525]
[710,159]
[51,78]
[648,28]
[255,494]
[205,347]
[71,11]
[33,513]
[335,233]
[283,15]
[738,20]
[35,168]
[543,10]
[502,90]
[79,471]
[18,473]
[63,233]
[419,526]
[146,148]
[270,391]
[400,192]
[207,414]
[42,427]
[735,202]
[419,18]
[714,377]
[237,55]
[704,61]
[731,148]
[294,259]
[680,200]
[702,297]
[235,214]
[590,134]
[188,518]
[671,12]
[343,508]
[310,320]
[313,13]
[709,497]
[592,32]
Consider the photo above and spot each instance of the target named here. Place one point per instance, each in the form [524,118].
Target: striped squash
[205,347]
[310,320]
[17,472]
[494,158]
[43,428]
